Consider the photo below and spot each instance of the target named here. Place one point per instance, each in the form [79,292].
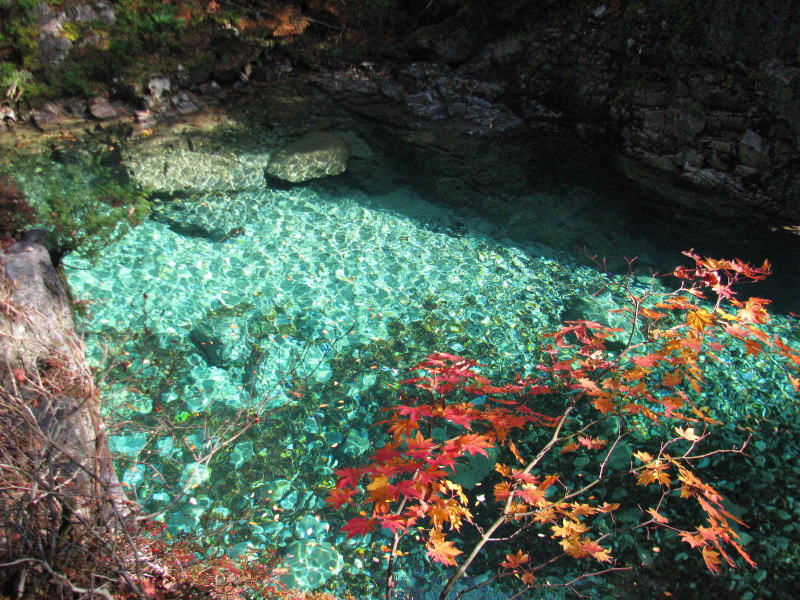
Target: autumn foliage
[584,397]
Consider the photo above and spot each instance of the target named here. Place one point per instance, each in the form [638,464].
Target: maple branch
[733,450]
[478,586]
[572,582]
[392,554]
[554,439]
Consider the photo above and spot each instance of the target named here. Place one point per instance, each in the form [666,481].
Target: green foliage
[85,217]
[12,75]
[16,82]
[71,79]
[18,29]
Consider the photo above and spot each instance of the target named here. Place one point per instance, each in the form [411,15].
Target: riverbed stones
[316,154]
[103,109]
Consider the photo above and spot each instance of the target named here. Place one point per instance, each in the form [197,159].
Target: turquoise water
[316,304]
[294,313]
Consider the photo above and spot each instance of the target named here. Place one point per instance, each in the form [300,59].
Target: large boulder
[316,154]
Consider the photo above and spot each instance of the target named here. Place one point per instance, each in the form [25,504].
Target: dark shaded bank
[695,103]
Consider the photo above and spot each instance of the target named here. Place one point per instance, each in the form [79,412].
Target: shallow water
[313,279]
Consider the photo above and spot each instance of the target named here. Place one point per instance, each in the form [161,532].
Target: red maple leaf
[419,446]
[471,443]
[348,477]
[459,416]
[359,526]
[338,497]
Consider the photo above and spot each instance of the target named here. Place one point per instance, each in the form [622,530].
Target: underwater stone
[311,564]
[215,340]
[316,154]
[357,442]
[311,527]
[185,171]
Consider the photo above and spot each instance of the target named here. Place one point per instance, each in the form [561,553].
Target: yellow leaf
[659,518]
[699,319]
[381,481]
[568,529]
[687,434]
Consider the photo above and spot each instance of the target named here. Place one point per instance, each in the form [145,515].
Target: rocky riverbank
[696,107]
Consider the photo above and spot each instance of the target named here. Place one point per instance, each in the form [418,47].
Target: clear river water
[311,310]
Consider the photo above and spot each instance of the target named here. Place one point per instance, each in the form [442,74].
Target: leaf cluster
[408,485]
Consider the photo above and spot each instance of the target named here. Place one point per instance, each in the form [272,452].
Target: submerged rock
[186,171]
[311,564]
[316,154]
[218,340]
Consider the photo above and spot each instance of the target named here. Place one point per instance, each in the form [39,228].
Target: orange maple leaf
[515,560]
[658,517]
[699,319]
[712,559]
[440,550]
[671,379]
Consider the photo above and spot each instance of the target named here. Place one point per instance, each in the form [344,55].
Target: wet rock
[159,87]
[53,49]
[48,115]
[688,126]
[211,88]
[446,44]
[7,113]
[183,104]
[231,64]
[316,154]
[708,179]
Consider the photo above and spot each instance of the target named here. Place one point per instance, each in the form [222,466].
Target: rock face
[700,102]
[54,45]
[316,154]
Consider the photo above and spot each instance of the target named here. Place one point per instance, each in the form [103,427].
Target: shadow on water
[576,203]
